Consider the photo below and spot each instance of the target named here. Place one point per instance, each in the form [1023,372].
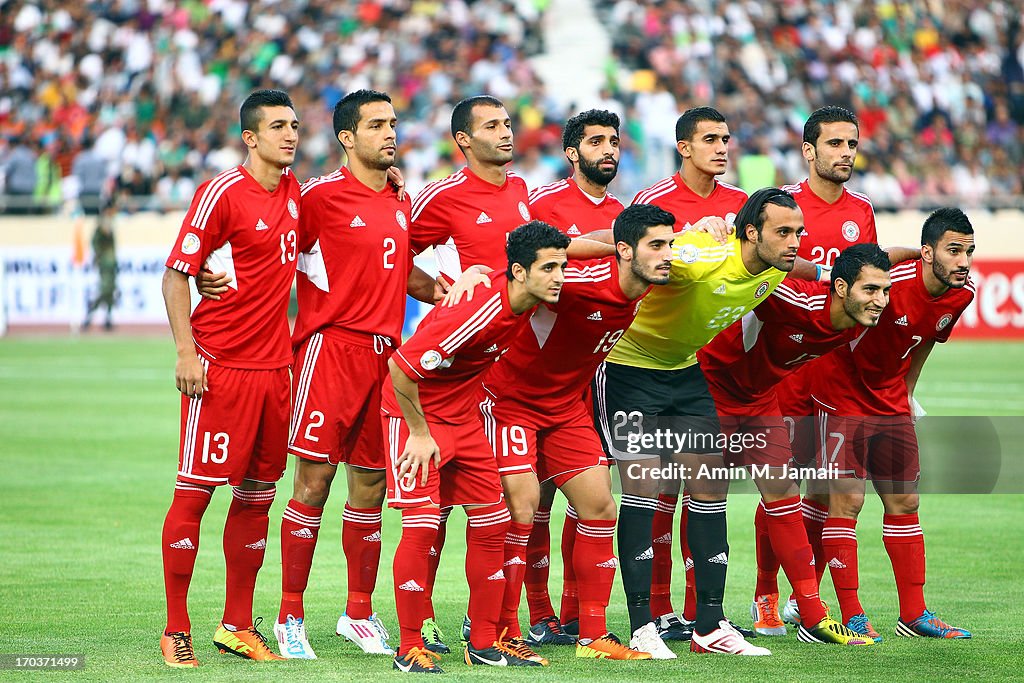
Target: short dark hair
[853,259]
[572,134]
[943,220]
[631,225]
[250,116]
[462,115]
[686,125]
[346,111]
[753,211]
[828,114]
[525,241]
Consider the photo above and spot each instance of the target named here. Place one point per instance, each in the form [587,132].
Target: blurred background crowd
[138,99]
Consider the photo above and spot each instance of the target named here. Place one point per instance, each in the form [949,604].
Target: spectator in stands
[90,171]
[20,174]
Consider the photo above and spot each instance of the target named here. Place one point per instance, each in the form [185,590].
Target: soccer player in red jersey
[863,392]
[694,196]
[799,322]
[576,205]
[540,426]
[835,218]
[354,271]
[232,371]
[467,215]
[438,454]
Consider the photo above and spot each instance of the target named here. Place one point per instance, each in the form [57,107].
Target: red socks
[433,560]
[485,550]
[419,530]
[661,565]
[569,610]
[690,601]
[904,541]
[538,564]
[245,544]
[179,545]
[839,540]
[595,564]
[300,525]
[515,571]
[789,539]
[767,562]
[360,539]
[815,515]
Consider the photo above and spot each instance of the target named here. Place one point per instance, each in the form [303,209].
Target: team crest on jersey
[761,289]
[524,212]
[402,222]
[851,231]
[190,243]
[293,208]
[943,322]
[688,253]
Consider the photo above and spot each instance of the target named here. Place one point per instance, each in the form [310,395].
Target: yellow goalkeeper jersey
[709,290]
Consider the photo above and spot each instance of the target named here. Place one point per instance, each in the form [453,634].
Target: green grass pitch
[89,433]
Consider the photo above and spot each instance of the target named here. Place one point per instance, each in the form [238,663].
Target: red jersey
[868,376]
[452,347]
[791,327]
[354,259]
[565,206]
[467,219]
[549,367]
[237,226]
[830,228]
[675,196]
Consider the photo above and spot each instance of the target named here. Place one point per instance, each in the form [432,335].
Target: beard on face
[597,175]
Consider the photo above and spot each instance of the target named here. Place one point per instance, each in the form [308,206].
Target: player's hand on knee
[190,375]
[211,285]
[420,451]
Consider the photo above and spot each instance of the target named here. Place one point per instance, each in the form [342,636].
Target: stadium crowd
[138,98]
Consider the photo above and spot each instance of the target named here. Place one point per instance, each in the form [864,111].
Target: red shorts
[467,475]
[336,401]
[237,430]
[555,447]
[756,433]
[880,448]
[794,394]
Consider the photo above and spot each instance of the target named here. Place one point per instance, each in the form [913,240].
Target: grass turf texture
[89,434]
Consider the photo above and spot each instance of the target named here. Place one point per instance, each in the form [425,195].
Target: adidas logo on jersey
[183,544]
[902,321]
[596,315]
[357,222]
[373,538]
[258,545]
[433,551]
[798,338]
[541,563]
[497,576]
[664,540]
[720,558]
[491,349]
[515,560]
[645,555]
[483,218]
[411,585]
[573,231]
[688,564]
[303,533]
[719,290]
[608,564]
[260,225]
[836,563]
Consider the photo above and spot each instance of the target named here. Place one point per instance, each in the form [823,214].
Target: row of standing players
[456,428]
